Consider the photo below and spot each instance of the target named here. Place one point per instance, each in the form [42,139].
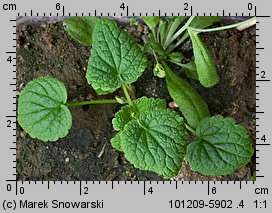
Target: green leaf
[176,57]
[201,22]
[173,24]
[41,110]
[190,70]
[190,103]
[81,28]
[151,136]
[156,47]
[133,111]
[204,64]
[223,147]
[116,142]
[151,21]
[116,59]
[156,141]
[122,117]
[162,31]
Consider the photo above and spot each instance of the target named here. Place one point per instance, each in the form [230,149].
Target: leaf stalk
[190,129]
[102,101]
[223,27]
[126,94]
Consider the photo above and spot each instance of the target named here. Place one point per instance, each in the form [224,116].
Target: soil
[86,154]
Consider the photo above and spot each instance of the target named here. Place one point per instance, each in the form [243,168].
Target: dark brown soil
[46,49]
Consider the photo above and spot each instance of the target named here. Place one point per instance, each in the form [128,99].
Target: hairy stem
[126,94]
[102,101]
[224,27]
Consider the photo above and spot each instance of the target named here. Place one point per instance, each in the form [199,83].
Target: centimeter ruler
[139,195]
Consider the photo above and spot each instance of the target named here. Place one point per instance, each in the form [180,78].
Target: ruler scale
[135,196]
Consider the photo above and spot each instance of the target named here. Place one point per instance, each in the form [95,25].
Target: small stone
[173,105]
[242,172]
[23,134]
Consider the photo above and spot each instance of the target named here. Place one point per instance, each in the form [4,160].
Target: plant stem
[155,56]
[224,27]
[102,101]
[179,64]
[126,94]
[190,129]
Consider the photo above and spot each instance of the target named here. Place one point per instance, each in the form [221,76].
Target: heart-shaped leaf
[116,59]
[151,136]
[155,141]
[223,147]
[41,110]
